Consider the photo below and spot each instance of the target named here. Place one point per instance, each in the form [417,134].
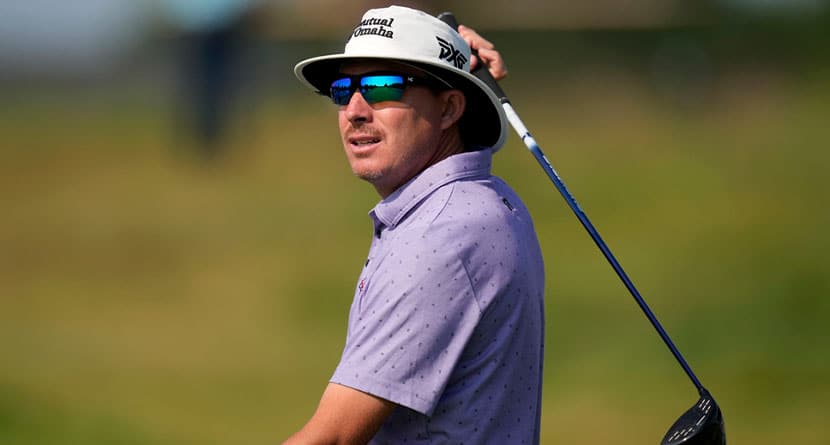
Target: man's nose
[358,110]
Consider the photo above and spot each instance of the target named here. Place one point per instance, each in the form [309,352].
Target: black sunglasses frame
[433,82]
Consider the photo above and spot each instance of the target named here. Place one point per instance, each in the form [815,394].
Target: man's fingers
[494,62]
[474,39]
[492,59]
[486,53]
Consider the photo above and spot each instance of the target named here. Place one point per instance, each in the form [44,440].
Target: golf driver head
[702,424]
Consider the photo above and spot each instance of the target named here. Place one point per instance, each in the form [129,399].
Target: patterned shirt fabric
[448,314]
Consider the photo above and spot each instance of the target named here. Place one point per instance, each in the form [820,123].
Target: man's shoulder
[489,201]
[467,213]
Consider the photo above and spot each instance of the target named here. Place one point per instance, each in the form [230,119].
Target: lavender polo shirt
[448,316]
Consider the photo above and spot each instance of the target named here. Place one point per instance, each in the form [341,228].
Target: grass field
[148,297]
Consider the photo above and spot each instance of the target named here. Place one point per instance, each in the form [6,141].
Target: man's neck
[449,144]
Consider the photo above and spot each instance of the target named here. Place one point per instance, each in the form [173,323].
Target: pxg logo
[450,54]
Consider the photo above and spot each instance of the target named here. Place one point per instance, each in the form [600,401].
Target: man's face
[388,143]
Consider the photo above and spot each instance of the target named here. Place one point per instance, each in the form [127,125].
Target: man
[445,334]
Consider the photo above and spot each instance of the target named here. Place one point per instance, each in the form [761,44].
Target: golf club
[702,424]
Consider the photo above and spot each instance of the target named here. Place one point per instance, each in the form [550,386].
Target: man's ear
[454,104]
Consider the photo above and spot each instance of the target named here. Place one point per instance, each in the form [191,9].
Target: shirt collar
[394,208]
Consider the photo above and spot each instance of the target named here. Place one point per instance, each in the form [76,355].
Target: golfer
[445,333]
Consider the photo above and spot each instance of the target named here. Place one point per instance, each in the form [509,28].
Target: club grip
[481,70]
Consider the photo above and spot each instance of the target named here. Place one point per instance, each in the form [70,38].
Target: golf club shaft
[482,73]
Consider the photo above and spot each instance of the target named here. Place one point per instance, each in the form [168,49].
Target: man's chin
[369,176]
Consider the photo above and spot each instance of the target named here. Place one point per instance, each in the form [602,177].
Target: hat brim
[483,125]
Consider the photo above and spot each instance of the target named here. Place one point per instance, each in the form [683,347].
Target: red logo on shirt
[361,285]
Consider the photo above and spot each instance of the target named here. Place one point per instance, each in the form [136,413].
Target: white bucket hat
[417,38]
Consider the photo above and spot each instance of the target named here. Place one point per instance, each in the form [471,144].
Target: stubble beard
[371,177]
[376,175]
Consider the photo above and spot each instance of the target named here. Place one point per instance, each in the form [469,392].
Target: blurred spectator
[212,33]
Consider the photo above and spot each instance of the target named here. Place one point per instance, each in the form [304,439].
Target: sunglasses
[375,87]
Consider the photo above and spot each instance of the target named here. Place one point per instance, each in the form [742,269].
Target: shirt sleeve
[409,325]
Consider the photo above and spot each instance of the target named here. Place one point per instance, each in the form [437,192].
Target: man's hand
[486,53]
[344,416]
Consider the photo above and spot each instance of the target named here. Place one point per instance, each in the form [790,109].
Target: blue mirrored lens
[341,91]
[373,87]
[381,88]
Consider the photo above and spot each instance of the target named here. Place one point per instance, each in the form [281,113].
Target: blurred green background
[159,287]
